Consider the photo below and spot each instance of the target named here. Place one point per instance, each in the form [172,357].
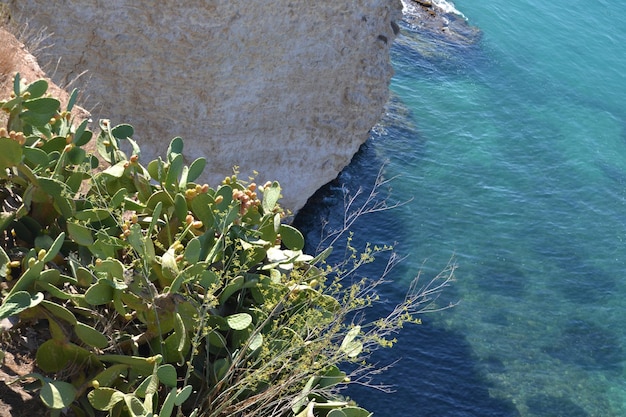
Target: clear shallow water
[514,152]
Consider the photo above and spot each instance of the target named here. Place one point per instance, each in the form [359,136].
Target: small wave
[409,7]
[448,7]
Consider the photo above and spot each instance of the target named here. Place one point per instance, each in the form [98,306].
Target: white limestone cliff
[286,88]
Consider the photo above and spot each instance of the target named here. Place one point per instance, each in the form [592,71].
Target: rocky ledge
[439,23]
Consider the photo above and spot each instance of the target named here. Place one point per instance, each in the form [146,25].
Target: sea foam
[446,6]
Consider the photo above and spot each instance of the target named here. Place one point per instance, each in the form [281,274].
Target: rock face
[287,88]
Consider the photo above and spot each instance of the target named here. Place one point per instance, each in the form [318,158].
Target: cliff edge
[287,89]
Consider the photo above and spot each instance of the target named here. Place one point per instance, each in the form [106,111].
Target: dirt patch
[19,347]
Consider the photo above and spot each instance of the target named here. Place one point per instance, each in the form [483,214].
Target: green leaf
[331,377]
[37,88]
[84,278]
[135,407]
[143,366]
[59,311]
[75,180]
[336,413]
[291,237]
[192,250]
[57,143]
[57,394]
[42,105]
[90,336]
[148,386]
[159,197]
[111,374]
[196,168]
[54,291]
[202,207]
[104,399]
[40,110]
[220,367]
[36,156]
[174,170]
[117,170]
[118,198]
[180,207]
[233,286]
[82,136]
[175,148]
[11,154]
[53,276]
[181,333]
[76,155]
[4,262]
[18,302]
[167,375]
[112,267]
[17,84]
[168,262]
[350,346]
[100,293]
[322,255]
[271,195]
[270,227]
[60,192]
[123,131]
[256,342]
[216,339]
[170,348]
[208,279]
[52,356]
[93,215]
[352,411]
[183,395]
[72,99]
[80,234]
[239,321]
[168,404]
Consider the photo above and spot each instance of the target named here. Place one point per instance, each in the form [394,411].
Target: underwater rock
[552,406]
[445,24]
[587,345]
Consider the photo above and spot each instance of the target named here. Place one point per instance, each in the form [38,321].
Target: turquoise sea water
[513,151]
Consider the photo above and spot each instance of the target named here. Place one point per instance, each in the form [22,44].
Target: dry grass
[8,53]
[14,32]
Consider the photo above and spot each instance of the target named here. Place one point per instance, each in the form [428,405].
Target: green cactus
[162,296]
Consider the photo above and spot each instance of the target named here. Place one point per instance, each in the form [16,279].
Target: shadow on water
[439,378]
[438,375]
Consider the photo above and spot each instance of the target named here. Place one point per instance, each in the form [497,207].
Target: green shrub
[163,296]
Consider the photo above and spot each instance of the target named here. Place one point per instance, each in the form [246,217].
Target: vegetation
[166,297]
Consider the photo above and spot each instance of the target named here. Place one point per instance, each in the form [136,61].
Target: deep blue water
[512,151]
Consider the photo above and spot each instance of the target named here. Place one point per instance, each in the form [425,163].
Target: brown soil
[19,347]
